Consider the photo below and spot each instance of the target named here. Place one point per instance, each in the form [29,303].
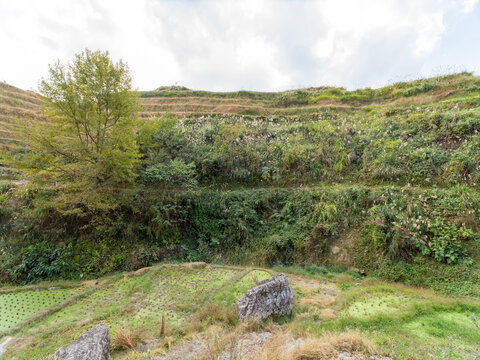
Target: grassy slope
[15,104]
[199,303]
[460,88]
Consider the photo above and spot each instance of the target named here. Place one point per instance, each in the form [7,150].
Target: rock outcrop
[92,345]
[272,296]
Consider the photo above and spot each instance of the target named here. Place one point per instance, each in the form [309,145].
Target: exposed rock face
[272,296]
[92,345]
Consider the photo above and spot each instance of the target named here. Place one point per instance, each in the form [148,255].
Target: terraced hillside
[185,312]
[370,179]
[16,104]
[184,102]
[337,188]
[181,102]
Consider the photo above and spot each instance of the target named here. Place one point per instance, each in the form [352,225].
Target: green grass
[380,305]
[17,307]
[230,295]
[134,303]
[452,333]
[435,335]
[401,321]
[412,323]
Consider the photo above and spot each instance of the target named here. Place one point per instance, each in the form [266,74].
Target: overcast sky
[228,45]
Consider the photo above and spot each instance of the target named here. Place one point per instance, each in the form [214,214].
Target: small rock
[92,345]
[335,250]
[272,296]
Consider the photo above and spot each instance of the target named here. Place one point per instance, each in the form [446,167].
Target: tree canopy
[87,146]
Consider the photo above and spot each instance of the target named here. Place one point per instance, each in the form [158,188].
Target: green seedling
[19,306]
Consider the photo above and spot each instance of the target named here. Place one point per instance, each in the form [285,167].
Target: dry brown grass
[417,100]
[327,314]
[83,322]
[195,265]
[222,341]
[282,346]
[17,109]
[124,340]
[318,300]
[142,271]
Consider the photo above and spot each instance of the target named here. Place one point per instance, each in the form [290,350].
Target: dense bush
[172,173]
[445,242]
[46,260]
[413,145]
[403,223]
[259,226]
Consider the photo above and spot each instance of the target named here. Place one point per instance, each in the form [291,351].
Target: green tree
[86,147]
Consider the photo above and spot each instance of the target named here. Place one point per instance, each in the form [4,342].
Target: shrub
[296,97]
[44,260]
[314,269]
[124,340]
[174,172]
[443,242]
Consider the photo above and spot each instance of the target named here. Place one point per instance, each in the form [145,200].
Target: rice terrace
[305,219]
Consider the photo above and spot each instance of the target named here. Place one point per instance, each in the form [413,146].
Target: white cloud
[469,5]
[430,29]
[230,44]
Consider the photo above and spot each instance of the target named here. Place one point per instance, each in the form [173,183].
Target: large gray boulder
[272,296]
[92,345]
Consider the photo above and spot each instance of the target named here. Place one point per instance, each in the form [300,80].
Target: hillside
[15,104]
[429,124]
[183,102]
[367,199]
[318,175]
